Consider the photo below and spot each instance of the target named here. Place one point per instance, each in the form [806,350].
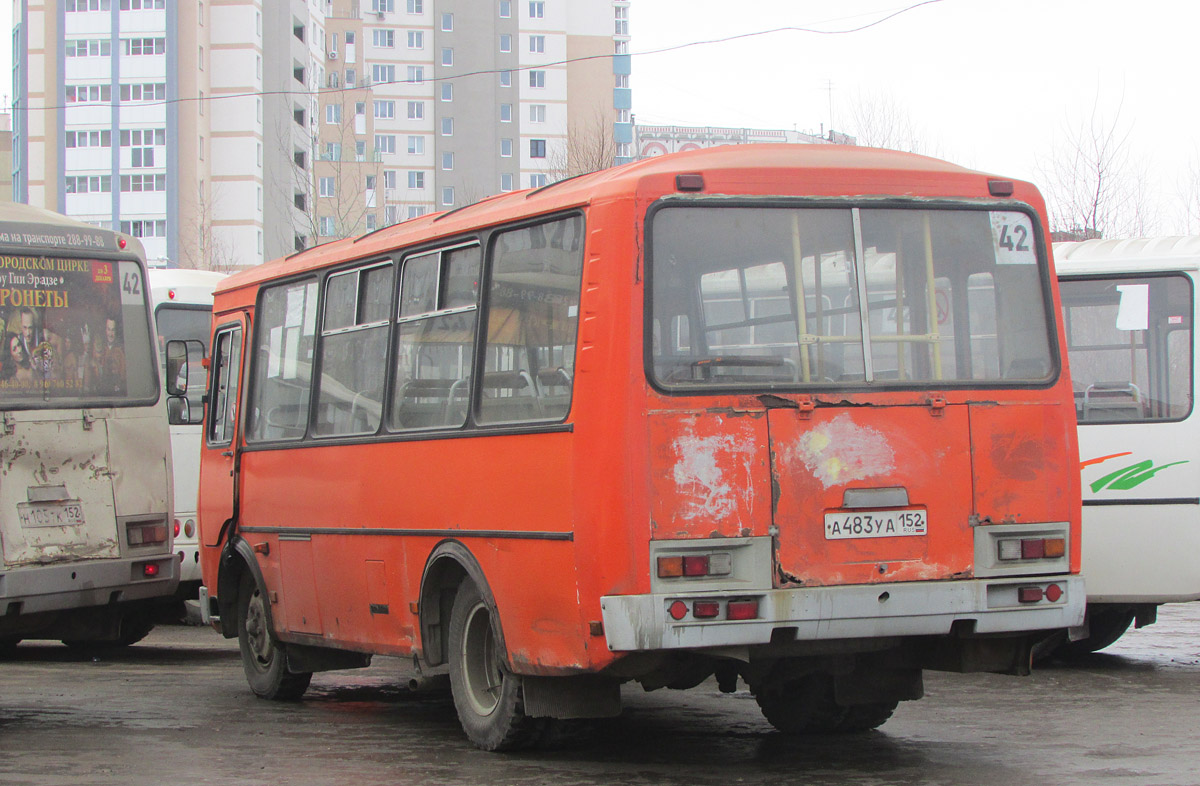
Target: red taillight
[1029,594]
[176,527]
[146,534]
[1053,593]
[706,609]
[742,610]
[170,294]
[695,566]
[150,569]
[678,610]
[1033,548]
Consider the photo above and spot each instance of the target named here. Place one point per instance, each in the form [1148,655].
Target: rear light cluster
[710,608]
[151,534]
[188,528]
[1051,592]
[693,565]
[1012,549]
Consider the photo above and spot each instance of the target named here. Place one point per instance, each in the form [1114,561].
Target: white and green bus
[1129,307]
[85,466]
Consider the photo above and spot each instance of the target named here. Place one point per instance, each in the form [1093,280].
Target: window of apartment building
[371,222]
[138,183]
[370,184]
[333,151]
[537,78]
[447,126]
[87,5]
[622,80]
[621,47]
[416,74]
[622,20]
[537,181]
[149,92]
[506,113]
[333,113]
[326,186]
[416,6]
[147,228]
[623,116]
[383,73]
[136,137]
[140,5]
[141,157]
[360,149]
[537,148]
[447,56]
[448,195]
[144,46]
[200,148]
[200,102]
[416,179]
[537,9]
[448,161]
[416,211]
[350,77]
[383,6]
[89,184]
[384,38]
[505,42]
[416,110]
[88,48]
[447,23]
[89,94]
[537,44]
[505,9]
[625,149]
[258,66]
[506,181]
[326,226]
[416,39]
[385,143]
[391,214]
[447,91]
[389,178]
[416,145]
[385,110]
[506,78]
[537,113]
[89,139]
[260,196]
[506,148]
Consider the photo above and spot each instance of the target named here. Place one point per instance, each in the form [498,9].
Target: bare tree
[1093,186]
[878,120]
[1189,197]
[200,246]
[590,146]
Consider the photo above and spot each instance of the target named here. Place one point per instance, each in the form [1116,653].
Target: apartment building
[227,132]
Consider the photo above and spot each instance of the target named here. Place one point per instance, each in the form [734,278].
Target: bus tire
[264,658]
[865,717]
[804,706]
[8,647]
[487,696]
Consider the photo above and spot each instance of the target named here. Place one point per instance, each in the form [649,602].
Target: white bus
[182,301]
[1129,307]
[85,473]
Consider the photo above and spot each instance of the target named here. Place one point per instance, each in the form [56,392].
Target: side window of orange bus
[283,359]
[354,332]
[532,321]
[439,296]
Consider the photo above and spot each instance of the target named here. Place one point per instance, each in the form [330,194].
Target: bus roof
[1143,254]
[189,286]
[44,231]
[816,170]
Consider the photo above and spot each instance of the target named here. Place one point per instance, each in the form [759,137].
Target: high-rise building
[227,132]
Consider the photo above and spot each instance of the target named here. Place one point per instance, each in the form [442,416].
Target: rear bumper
[643,622]
[42,588]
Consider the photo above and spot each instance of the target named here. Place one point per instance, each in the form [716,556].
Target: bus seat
[1109,401]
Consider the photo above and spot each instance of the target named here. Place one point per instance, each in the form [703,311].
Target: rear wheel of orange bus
[264,658]
[808,706]
[487,695]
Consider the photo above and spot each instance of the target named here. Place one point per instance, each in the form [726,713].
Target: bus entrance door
[218,477]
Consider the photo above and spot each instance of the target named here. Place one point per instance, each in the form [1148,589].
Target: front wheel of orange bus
[487,695]
[263,656]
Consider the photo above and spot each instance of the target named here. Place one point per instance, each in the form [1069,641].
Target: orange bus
[796,417]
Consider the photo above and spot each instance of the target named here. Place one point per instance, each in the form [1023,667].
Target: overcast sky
[993,85]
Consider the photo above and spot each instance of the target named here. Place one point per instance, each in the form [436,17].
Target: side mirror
[179,412]
[180,356]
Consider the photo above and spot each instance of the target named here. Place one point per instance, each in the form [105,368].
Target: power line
[485,72]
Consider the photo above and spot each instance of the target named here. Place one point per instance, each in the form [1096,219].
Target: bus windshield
[747,296]
[75,332]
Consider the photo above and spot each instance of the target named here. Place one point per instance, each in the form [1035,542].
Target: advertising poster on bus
[61,324]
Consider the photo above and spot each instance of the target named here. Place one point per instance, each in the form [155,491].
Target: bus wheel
[807,706]
[487,695]
[1104,628]
[8,647]
[264,658]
